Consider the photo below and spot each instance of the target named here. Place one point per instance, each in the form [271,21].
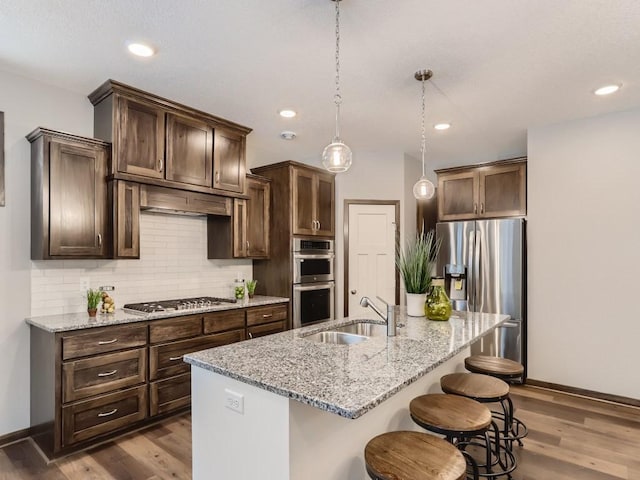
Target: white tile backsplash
[173,263]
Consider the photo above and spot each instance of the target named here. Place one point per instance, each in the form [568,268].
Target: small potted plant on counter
[416,263]
[94,297]
[251,287]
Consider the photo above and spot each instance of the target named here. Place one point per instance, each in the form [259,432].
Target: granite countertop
[348,380]
[80,321]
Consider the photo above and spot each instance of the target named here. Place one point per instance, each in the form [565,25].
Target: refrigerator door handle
[479,288]
[471,274]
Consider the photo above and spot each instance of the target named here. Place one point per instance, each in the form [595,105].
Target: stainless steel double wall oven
[313,281]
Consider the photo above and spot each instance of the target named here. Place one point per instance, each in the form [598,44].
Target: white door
[372,238]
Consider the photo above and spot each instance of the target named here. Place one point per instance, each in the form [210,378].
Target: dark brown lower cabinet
[95,417]
[88,385]
[170,394]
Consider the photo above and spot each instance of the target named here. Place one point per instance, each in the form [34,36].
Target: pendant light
[423,189]
[337,156]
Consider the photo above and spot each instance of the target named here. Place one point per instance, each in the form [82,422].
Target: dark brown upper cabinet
[126,219]
[160,142]
[314,207]
[483,191]
[69,199]
[246,233]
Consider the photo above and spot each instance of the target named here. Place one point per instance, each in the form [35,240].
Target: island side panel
[325,446]
[235,446]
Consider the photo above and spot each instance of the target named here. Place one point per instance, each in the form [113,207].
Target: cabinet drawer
[166,360]
[268,314]
[221,321]
[104,414]
[103,341]
[170,394]
[104,373]
[175,329]
[266,329]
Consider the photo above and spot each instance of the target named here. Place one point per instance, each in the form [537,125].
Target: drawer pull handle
[250,335]
[108,342]
[108,374]
[108,414]
[173,359]
[267,315]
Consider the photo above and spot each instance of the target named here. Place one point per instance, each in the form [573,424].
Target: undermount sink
[336,338]
[364,328]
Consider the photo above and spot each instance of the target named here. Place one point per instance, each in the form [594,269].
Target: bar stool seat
[482,388]
[450,415]
[502,368]
[413,456]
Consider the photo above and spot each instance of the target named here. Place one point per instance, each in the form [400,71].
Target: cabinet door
[229,161]
[458,196]
[503,191]
[189,151]
[325,205]
[127,220]
[140,139]
[78,216]
[239,228]
[258,219]
[303,202]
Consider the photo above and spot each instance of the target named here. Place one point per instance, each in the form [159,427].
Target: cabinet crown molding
[495,163]
[41,131]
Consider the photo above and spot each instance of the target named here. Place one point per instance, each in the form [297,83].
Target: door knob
[353,292]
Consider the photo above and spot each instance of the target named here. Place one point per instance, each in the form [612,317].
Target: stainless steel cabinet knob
[353,292]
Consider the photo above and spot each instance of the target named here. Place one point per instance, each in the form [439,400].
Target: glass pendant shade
[336,157]
[424,189]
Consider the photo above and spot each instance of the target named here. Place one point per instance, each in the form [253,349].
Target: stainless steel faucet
[389,318]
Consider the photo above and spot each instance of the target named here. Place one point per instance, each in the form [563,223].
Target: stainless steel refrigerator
[484,266]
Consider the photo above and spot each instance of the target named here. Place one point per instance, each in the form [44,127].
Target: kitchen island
[286,407]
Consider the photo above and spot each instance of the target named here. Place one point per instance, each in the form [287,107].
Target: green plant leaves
[417,260]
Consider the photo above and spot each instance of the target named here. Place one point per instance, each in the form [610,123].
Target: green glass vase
[438,305]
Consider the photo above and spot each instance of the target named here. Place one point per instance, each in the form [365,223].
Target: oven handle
[315,286]
[327,256]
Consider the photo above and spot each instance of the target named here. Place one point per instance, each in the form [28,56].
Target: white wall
[584,257]
[161,271]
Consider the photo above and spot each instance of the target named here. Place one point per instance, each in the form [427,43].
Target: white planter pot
[415,304]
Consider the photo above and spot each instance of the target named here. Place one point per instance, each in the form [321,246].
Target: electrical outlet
[84,284]
[234,401]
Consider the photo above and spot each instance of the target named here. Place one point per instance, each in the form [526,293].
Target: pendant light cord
[337,98]
[424,141]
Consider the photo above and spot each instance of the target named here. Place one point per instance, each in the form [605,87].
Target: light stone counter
[284,407]
[80,321]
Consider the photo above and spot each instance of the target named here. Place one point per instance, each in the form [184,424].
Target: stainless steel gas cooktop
[182,304]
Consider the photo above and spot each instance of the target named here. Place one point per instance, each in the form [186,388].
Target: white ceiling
[500,66]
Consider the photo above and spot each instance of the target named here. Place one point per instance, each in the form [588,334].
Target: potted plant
[416,263]
[251,287]
[94,297]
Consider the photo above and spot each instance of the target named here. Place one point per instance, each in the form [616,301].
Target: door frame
[345,279]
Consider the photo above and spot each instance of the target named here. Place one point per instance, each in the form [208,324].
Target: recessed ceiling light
[140,49]
[442,126]
[287,113]
[607,89]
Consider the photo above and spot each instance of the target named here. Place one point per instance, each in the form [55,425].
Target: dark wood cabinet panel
[229,161]
[325,205]
[266,329]
[258,218]
[303,202]
[239,228]
[175,329]
[221,321]
[101,415]
[189,151]
[166,360]
[103,340]
[140,131]
[69,197]
[170,394]
[104,373]
[483,191]
[126,219]
[266,314]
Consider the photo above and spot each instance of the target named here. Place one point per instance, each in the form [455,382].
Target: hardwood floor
[570,438]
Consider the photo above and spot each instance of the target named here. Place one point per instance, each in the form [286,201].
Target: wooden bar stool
[506,370]
[486,389]
[413,456]
[463,422]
